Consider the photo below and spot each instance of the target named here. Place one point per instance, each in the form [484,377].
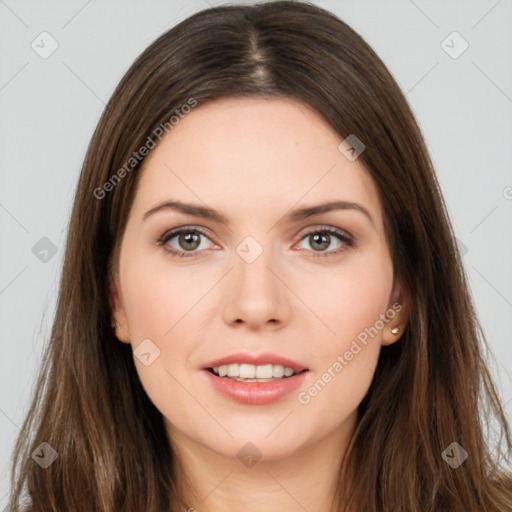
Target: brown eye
[321,239]
[187,241]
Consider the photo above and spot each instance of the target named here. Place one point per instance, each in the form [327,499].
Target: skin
[254,160]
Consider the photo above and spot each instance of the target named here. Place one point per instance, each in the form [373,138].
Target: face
[312,291]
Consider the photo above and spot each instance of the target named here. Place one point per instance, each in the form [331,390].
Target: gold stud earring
[395,330]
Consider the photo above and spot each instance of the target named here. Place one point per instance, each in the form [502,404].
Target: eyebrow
[293,216]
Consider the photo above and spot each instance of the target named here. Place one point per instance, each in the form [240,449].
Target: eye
[321,238]
[188,240]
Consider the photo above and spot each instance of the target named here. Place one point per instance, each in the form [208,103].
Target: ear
[398,312]
[118,313]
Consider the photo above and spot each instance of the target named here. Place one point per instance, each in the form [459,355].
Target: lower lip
[256,393]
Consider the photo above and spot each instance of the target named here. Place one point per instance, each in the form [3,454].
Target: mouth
[254,385]
[244,372]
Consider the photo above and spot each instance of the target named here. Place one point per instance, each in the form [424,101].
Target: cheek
[158,308]
[353,298]
[156,302]
[158,298]
[351,304]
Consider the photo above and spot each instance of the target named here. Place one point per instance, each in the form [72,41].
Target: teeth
[250,371]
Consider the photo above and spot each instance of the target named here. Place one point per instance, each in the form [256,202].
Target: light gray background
[49,108]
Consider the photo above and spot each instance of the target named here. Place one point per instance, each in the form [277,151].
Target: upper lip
[256,360]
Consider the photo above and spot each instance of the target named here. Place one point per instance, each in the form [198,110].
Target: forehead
[246,153]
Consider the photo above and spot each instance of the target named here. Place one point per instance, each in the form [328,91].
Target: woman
[262,305]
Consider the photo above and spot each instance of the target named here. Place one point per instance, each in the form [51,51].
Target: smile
[252,373]
[255,391]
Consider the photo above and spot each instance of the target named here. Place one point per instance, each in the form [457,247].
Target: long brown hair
[430,389]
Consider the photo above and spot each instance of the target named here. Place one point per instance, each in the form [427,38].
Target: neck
[305,479]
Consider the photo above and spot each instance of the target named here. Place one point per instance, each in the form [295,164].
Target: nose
[256,294]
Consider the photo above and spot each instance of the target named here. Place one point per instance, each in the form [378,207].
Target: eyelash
[340,235]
